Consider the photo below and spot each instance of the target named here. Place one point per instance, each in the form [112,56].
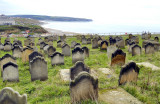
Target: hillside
[53,18]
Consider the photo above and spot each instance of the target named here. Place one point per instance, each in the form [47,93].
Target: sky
[104,11]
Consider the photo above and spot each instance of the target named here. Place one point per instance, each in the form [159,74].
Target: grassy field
[55,91]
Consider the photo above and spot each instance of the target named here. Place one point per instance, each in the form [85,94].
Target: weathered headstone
[9,96]
[149,48]
[84,41]
[156,39]
[1,46]
[59,44]
[10,72]
[104,45]
[51,50]
[77,68]
[86,51]
[34,54]
[129,73]
[136,50]
[99,42]
[26,52]
[66,50]
[50,43]
[17,51]
[57,59]
[42,44]
[84,87]
[94,43]
[112,41]
[120,44]
[73,43]
[7,46]
[111,49]
[38,69]
[45,48]
[89,41]
[77,55]
[118,58]
[77,45]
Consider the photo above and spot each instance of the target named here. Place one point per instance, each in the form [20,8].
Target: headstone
[5,59]
[10,72]
[149,48]
[42,44]
[104,45]
[46,39]
[51,50]
[77,45]
[120,44]
[99,42]
[84,87]
[17,51]
[66,50]
[111,49]
[73,43]
[89,41]
[129,73]
[38,69]
[86,51]
[136,50]
[156,44]
[7,46]
[112,41]
[45,48]
[9,96]
[26,52]
[77,68]
[94,43]
[55,37]
[1,46]
[34,54]
[130,47]
[118,58]
[57,59]
[59,44]
[84,41]
[156,39]
[77,55]
[26,42]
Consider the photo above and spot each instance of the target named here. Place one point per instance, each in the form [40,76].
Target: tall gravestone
[111,49]
[66,50]
[26,52]
[38,69]
[136,50]
[17,51]
[34,54]
[86,51]
[94,43]
[149,48]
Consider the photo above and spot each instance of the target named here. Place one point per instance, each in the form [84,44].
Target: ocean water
[97,27]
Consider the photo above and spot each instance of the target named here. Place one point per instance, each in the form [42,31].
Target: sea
[101,28]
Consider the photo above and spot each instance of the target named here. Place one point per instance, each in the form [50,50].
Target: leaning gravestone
[84,87]
[7,46]
[118,58]
[86,51]
[5,59]
[136,50]
[73,43]
[26,52]
[10,72]
[9,96]
[94,43]
[77,55]
[57,59]
[104,45]
[110,50]
[129,73]
[66,50]
[149,48]
[51,50]
[17,51]
[77,68]
[38,69]
[34,54]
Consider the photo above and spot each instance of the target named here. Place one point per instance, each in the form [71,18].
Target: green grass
[56,91]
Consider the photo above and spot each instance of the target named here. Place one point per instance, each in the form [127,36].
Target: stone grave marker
[7,46]
[84,41]
[38,69]
[86,51]
[45,48]
[17,51]
[34,54]
[149,48]
[59,44]
[156,39]
[120,44]
[118,58]
[1,46]
[57,59]
[26,52]
[50,43]
[104,45]
[77,55]
[46,39]
[9,96]
[89,41]
[84,87]
[66,50]
[73,43]
[10,72]
[111,49]
[77,68]
[42,44]
[99,42]
[129,73]
[136,50]
[94,43]
[77,45]
[51,50]
[112,41]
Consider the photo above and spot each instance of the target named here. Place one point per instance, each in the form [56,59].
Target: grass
[55,91]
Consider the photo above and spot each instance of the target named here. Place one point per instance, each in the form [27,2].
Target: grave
[77,68]
[94,43]
[118,58]
[51,50]
[89,41]
[34,54]
[10,72]
[9,96]
[77,55]
[57,59]
[156,39]
[17,51]
[86,51]
[149,48]
[104,45]
[26,52]
[1,46]
[73,43]
[7,46]
[129,73]
[77,45]
[38,69]
[120,44]
[66,50]
[84,41]
[136,50]
[110,50]
[84,87]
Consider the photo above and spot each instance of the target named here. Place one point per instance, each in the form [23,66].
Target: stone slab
[147,64]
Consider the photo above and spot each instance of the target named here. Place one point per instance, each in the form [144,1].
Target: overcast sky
[105,11]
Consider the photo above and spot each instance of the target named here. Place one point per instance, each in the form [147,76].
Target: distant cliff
[53,18]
